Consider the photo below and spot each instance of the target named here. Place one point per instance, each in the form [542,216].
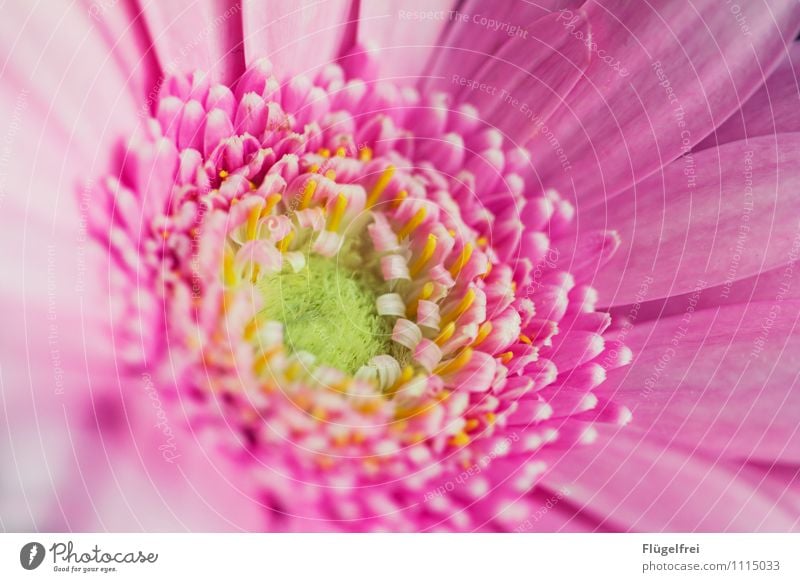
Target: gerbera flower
[353,266]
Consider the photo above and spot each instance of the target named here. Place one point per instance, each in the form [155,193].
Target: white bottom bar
[400,557]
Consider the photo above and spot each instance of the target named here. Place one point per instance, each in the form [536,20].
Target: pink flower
[382,266]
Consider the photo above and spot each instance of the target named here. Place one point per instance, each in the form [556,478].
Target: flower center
[328,310]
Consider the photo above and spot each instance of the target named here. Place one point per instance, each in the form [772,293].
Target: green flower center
[329,311]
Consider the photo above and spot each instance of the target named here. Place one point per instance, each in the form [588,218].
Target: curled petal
[261,253]
[328,243]
[383,237]
[406,333]
[427,354]
[428,314]
[391,304]
[384,369]
[394,267]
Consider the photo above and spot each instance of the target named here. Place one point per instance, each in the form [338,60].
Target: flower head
[380,267]
[355,287]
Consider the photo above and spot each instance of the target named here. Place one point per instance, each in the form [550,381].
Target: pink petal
[124,30]
[572,348]
[398,36]
[759,287]
[471,40]
[719,381]
[778,481]
[285,32]
[218,127]
[632,483]
[505,331]
[204,35]
[72,85]
[526,79]
[773,109]
[477,375]
[383,237]
[619,123]
[736,219]
[427,354]
[261,253]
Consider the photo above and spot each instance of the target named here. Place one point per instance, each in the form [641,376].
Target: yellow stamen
[460,439]
[302,401]
[263,359]
[462,260]
[424,256]
[308,193]
[403,413]
[283,246]
[251,328]
[341,151]
[405,376]
[272,202]
[446,333]
[293,371]
[482,242]
[365,154]
[330,175]
[465,303]
[525,339]
[380,186]
[314,168]
[325,152]
[407,373]
[402,195]
[252,221]
[256,273]
[370,407]
[483,332]
[488,270]
[229,272]
[491,417]
[472,424]
[427,291]
[454,364]
[443,395]
[223,174]
[412,224]
[399,426]
[506,357]
[337,213]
